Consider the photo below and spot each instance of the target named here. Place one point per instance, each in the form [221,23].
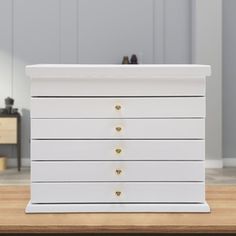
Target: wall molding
[12,162]
[225,162]
[158,31]
[16,40]
[229,162]
[214,164]
[207,49]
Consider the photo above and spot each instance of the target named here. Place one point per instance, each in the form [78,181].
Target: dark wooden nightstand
[10,130]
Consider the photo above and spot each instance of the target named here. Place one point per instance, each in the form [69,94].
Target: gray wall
[85,31]
[207,49]
[229,79]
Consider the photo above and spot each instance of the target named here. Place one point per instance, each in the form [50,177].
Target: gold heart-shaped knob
[118,171]
[118,128]
[118,150]
[118,107]
[118,193]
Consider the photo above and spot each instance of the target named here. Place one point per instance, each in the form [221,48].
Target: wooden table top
[222,219]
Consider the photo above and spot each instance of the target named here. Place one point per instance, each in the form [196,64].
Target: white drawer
[146,86]
[117,150]
[108,192]
[117,128]
[59,171]
[118,107]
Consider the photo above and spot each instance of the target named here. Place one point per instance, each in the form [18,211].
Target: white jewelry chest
[118,138]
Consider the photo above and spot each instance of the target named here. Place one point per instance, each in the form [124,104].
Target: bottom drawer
[8,137]
[117,192]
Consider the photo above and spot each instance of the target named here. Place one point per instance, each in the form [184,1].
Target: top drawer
[8,124]
[166,107]
[8,130]
[185,86]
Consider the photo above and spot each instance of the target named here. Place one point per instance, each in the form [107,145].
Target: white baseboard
[229,162]
[12,162]
[214,163]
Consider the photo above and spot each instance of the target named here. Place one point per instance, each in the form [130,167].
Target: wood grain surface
[222,219]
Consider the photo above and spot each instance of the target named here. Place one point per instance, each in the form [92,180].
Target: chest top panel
[81,71]
[117,80]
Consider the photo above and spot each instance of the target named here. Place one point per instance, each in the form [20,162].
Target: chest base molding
[67,208]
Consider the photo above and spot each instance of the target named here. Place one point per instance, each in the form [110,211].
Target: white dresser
[118,138]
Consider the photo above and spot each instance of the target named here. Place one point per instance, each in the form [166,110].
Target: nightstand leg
[19,156]
[19,144]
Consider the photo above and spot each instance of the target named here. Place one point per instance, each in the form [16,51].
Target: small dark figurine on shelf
[125,60]
[9,102]
[134,59]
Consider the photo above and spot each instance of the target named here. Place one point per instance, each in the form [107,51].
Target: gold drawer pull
[118,129]
[118,193]
[118,107]
[118,171]
[118,150]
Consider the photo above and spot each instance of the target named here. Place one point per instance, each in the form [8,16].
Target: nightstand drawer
[118,128]
[8,124]
[60,171]
[166,107]
[8,130]
[147,192]
[8,137]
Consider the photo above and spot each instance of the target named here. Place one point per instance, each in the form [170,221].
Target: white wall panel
[85,31]
[5,59]
[207,49]
[158,31]
[68,31]
[177,31]
[229,81]
[36,40]
[110,29]
[5,49]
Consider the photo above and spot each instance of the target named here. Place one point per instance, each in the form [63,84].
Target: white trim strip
[12,162]
[214,163]
[229,162]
